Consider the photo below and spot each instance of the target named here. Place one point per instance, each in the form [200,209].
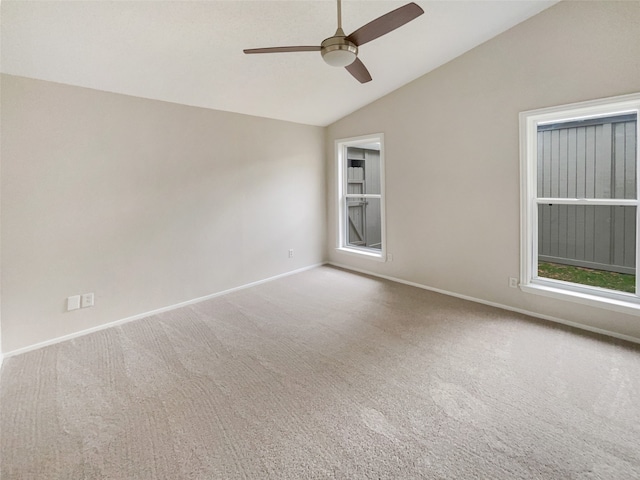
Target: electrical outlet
[389,257]
[513,282]
[73,303]
[291,253]
[87,300]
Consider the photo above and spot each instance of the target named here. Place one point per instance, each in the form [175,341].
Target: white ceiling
[191,52]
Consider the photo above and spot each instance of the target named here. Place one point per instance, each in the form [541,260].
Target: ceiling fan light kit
[342,51]
[338,52]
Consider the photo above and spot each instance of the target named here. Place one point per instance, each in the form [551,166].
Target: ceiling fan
[341,50]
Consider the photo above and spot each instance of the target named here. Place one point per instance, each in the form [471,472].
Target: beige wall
[145,203]
[452,155]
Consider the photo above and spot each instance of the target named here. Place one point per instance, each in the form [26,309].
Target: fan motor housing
[337,51]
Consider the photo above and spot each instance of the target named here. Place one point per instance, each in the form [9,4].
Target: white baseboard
[346,267]
[122,321]
[580,326]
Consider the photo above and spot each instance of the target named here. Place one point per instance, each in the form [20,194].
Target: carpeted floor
[325,374]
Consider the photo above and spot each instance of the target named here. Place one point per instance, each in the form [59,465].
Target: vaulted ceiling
[191,52]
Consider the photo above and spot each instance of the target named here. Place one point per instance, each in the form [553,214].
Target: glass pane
[588,245]
[364,223]
[593,158]
[363,169]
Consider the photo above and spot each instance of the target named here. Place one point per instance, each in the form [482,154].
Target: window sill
[631,306]
[357,252]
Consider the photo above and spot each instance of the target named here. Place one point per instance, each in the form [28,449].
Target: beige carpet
[325,374]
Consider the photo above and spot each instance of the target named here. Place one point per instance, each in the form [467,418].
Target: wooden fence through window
[595,158]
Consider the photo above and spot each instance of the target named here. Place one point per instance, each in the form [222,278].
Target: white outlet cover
[87,300]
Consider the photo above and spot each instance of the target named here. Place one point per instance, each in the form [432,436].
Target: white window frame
[529,280]
[341,157]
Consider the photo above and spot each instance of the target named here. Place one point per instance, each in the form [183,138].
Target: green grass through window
[587,276]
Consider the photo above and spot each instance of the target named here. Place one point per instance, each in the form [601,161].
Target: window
[579,184]
[361,196]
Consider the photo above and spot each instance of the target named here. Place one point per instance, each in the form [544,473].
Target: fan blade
[282,49]
[385,24]
[359,71]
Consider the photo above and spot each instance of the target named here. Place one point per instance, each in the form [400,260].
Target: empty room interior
[237,245]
